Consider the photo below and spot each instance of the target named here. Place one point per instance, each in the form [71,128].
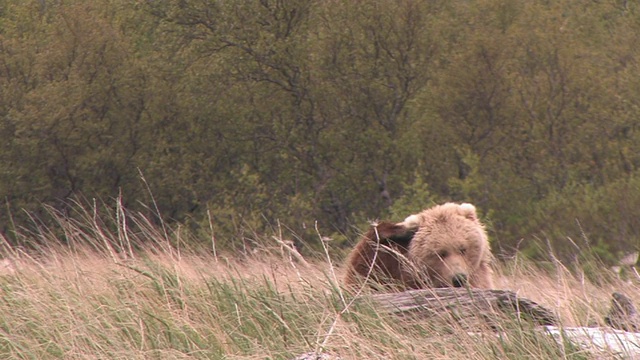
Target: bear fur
[443,246]
[381,256]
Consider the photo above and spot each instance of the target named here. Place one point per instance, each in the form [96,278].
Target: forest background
[247,117]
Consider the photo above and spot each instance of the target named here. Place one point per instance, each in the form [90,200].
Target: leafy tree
[245,114]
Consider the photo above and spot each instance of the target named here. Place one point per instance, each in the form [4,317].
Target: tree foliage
[240,114]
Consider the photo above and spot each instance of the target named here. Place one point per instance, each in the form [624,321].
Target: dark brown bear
[380,256]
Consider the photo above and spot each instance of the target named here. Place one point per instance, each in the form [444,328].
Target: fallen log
[464,305]
[600,341]
[468,307]
[474,309]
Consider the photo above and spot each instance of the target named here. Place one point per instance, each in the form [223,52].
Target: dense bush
[236,115]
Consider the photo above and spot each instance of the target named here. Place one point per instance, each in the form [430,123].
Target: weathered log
[623,314]
[468,307]
[603,342]
[464,304]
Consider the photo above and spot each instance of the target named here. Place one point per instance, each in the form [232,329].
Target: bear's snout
[459,280]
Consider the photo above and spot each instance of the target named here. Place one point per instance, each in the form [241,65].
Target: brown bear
[381,257]
[439,247]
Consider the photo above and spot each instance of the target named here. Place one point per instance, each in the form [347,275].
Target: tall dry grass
[124,288]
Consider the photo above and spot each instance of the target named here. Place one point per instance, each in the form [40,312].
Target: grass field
[103,300]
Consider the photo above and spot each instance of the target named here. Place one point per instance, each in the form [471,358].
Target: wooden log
[468,307]
[464,305]
[602,342]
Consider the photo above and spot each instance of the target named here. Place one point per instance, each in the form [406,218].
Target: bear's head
[450,245]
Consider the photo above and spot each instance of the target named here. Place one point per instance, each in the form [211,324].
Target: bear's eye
[443,254]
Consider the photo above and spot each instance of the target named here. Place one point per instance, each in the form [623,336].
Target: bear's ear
[392,233]
[411,222]
[468,210]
